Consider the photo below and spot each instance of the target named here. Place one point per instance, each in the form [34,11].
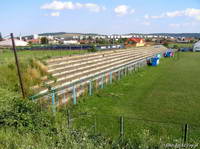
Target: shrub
[22,114]
[44,40]
[175,47]
[166,44]
[93,49]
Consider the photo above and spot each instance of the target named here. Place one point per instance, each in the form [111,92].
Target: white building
[68,42]
[35,36]
[8,43]
[196,47]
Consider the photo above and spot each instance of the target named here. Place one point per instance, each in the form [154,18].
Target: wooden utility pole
[185,133]
[17,65]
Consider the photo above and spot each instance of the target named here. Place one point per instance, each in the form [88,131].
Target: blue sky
[99,16]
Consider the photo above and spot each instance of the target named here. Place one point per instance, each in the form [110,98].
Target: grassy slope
[8,73]
[8,56]
[169,93]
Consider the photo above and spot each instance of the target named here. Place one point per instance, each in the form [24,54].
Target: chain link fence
[134,129]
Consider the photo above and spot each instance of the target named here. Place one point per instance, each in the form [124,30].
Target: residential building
[135,42]
[196,47]
[8,43]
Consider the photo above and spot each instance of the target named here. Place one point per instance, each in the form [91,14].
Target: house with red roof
[33,41]
[135,42]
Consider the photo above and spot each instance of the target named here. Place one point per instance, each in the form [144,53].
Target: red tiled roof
[33,40]
[137,40]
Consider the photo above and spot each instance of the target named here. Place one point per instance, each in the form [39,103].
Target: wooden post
[95,124]
[17,64]
[185,133]
[68,118]
[121,127]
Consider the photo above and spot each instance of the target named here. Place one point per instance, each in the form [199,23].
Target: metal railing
[119,71]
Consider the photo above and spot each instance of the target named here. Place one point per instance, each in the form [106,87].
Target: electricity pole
[17,64]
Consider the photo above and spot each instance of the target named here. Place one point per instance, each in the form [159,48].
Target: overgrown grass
[32,71]
[32,67]
[168,93]
[8,56]
[26,125]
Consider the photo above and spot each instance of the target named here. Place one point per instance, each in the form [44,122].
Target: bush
[166,44]
[44,40]
[93,49]
[22,114]
[25,125]
[175,47]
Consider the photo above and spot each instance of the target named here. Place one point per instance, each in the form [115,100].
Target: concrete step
[71,69]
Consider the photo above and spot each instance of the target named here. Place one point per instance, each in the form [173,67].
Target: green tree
[192,41]
[175,47]
[90,38]
[147,39]
[30,42]
[44,40]
[1,37]
[101,41]
[122,40]
[93,49]
[166,44]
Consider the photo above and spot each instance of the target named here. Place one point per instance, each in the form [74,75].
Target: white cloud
[68,5]
[146,23]
[122,10]
[158,17]
[187,24]
[189,12]
[55,14]
[132,11]
[58,5]
[146,16]
[175,25]
[174,14]
[94,7]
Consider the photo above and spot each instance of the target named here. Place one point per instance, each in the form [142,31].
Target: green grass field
[169,93]
[155,102]
[181,45]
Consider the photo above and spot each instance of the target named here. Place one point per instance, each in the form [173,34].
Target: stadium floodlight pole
[17,64]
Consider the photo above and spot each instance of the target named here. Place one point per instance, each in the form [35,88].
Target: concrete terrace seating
[70,69]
